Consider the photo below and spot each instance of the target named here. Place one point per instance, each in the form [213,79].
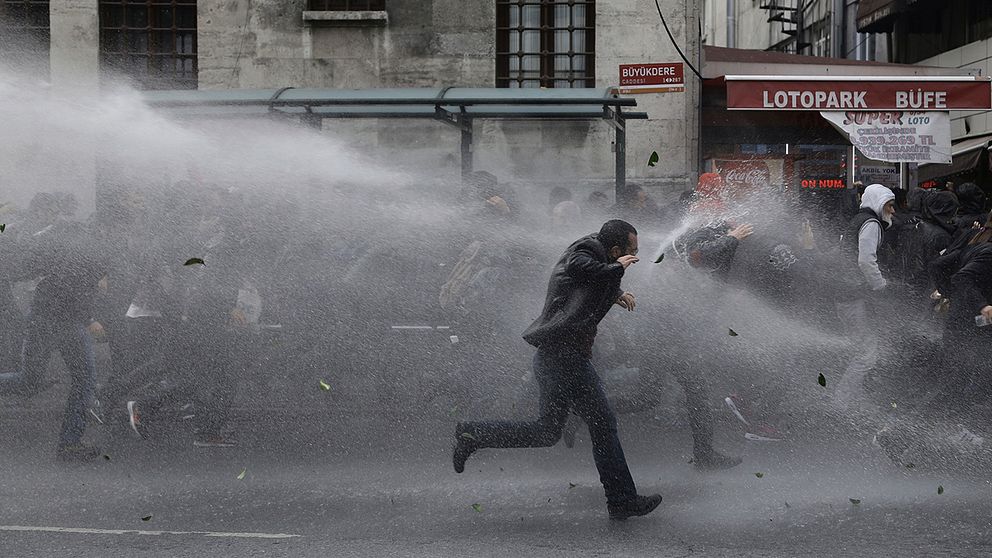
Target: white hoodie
[870,235]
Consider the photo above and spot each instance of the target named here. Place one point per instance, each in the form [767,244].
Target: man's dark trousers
[567,380]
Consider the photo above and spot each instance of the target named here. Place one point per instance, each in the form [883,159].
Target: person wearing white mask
[863,280]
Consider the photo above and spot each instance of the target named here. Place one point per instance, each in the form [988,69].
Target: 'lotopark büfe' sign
[858,93]
[894,119]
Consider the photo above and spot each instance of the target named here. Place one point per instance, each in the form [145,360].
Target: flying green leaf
[467,436]
[194,261]
[653,160]
[821,380]
[477,507]
[759,475]
[3,227]
[146,518]
[854,501]
[940,489]
[894,406]
[659,258]
[572,485]
[325,386]
[733,333]
[241,475]
[107,457]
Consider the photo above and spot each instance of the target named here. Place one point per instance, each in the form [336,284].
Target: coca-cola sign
[744,174]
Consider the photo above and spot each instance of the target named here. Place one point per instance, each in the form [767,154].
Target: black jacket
[965,277]
[71,265]
[972,209]
[708,248]
[584,286]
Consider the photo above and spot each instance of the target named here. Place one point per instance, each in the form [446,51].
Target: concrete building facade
[807,27]
[237,44]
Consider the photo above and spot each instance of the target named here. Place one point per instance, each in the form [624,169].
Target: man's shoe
[76,453]
[464,446]
[96,411]
[213,441]
[639,505]
[134,419]
[715,461]
[734,404]
[764,433]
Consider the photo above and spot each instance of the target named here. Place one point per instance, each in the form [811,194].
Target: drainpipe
[731,23]
[838,37]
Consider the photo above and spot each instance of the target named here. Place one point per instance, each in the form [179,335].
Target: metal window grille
[346,5]
[152,42]
[25,25]
[545,43]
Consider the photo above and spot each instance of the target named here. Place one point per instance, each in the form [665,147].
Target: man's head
[559,194]
[637,197]
[598,200]
[619,238]
[881,200]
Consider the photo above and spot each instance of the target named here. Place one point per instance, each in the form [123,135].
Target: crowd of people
[180,281]
[886,268]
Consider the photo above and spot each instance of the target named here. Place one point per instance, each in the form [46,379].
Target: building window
[25,30]
[545,43]
[346,5]
[150,42]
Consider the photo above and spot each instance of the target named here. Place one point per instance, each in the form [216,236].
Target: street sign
[652,78]
[859,93]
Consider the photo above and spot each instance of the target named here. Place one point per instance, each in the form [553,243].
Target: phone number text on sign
[893,136]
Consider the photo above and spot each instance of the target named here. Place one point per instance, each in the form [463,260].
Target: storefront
[970,163]
[777,134]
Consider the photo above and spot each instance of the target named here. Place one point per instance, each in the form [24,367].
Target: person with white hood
[864,280]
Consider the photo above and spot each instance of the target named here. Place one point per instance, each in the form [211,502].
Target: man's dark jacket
[965,276]
[583,287]
[709,248]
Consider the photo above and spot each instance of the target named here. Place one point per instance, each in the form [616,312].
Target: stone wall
[976,58]
[436,43]
[433,43]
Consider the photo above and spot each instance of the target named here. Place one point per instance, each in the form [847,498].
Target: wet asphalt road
[347,496]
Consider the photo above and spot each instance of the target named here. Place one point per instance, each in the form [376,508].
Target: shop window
[545,43]
[346,5]
[152,43]
[25,30]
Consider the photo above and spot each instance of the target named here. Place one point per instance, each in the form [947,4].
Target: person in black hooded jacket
[71,269]
[972,211]
[923,238]
[964,276]
[584,286]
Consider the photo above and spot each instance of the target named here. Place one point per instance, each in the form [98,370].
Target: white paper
[897,137]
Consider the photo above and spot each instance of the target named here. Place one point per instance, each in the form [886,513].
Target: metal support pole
[620,148]
[312,120]
[465,123]
[852,158]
